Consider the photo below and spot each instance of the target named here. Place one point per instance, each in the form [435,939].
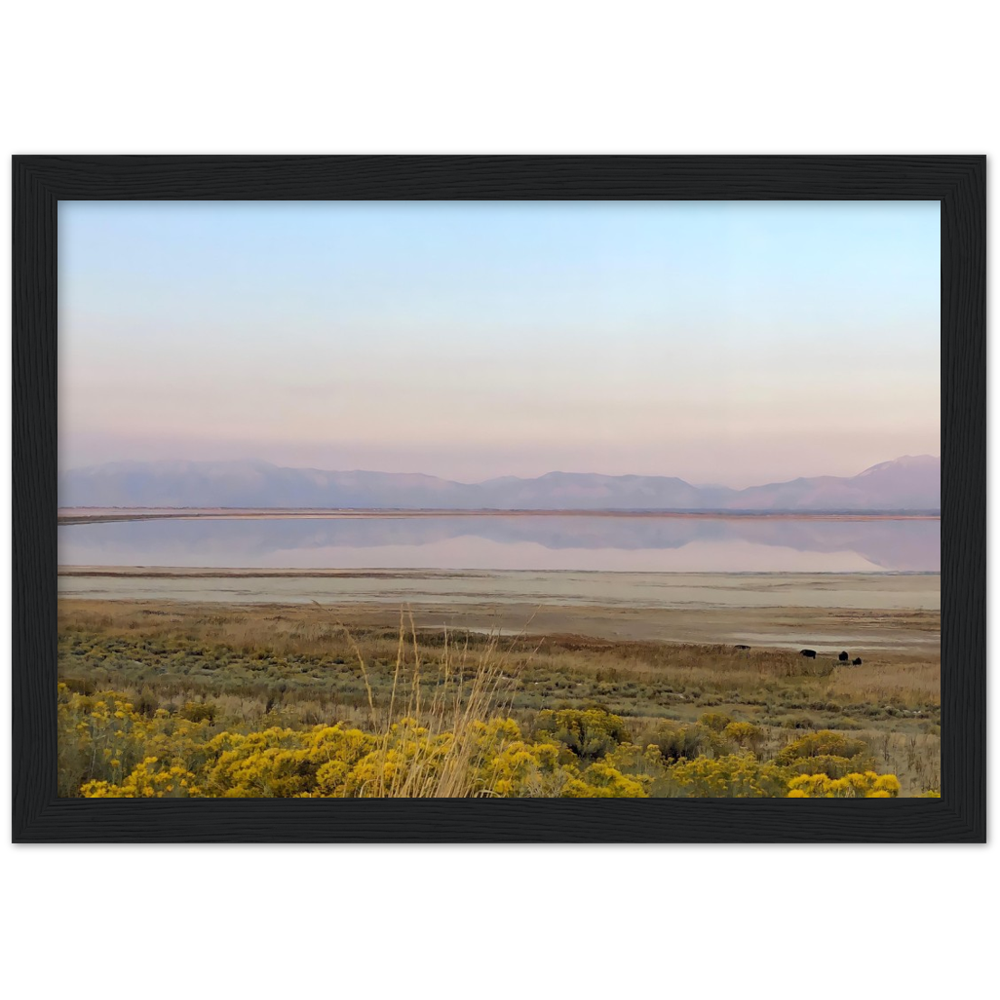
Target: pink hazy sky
[732,343]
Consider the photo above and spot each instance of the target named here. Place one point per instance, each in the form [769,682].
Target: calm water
[522,542]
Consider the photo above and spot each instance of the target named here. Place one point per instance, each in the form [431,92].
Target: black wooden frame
[958,182]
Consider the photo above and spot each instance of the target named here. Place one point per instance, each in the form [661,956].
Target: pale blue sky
[731,342]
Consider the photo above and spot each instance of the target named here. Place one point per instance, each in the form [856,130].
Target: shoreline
[103,515]
[417,572]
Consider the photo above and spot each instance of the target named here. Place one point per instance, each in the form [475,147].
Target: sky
[735,343]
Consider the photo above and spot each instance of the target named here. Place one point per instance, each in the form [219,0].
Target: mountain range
[910,483]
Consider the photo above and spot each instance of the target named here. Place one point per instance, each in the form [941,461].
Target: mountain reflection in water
[515,542]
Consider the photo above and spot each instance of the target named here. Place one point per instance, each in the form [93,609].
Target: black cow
[811,653]
[843,657]
[856,662]
[741,647]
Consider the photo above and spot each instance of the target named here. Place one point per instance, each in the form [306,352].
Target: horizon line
[481,482]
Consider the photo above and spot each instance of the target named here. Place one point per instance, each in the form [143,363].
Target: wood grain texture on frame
[958,182]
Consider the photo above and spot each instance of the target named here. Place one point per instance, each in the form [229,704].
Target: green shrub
[199,711]
[676,740]
[588,733]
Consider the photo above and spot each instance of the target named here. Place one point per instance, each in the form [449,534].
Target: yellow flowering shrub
[522,770]
[109,750]
[741,775]
[147,780]
[601,780]
[824,743]
[644,763]
[831,766]
[282,763]
[867,785]
[407,760]
[100,737]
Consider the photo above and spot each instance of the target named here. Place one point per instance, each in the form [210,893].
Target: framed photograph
[499,498]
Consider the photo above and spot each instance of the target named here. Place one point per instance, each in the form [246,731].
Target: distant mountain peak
[904,462]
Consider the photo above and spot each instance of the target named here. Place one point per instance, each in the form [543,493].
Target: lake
[625,543]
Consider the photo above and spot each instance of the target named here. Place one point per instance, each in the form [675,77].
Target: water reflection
[640,544]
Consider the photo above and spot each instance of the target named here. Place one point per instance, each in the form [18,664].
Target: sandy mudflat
[864,611]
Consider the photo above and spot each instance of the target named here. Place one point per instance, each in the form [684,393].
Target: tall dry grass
[443,751]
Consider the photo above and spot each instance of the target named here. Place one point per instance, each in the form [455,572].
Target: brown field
[827,612]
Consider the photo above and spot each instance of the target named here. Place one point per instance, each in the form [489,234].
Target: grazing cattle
[843,657]
[856,662]
[808,652]
[741,647]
